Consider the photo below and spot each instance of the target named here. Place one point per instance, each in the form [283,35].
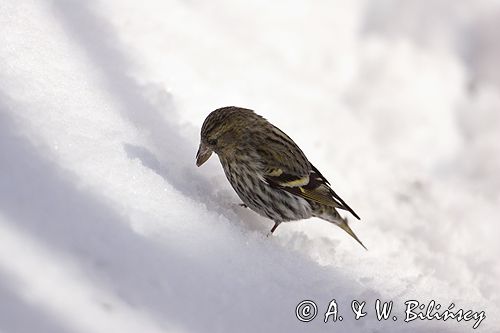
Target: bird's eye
[212,142]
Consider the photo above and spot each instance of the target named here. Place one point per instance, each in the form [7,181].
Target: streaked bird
[268,171]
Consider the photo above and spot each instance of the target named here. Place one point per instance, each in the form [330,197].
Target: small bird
[268,171]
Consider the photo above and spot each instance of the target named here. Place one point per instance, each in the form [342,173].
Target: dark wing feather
[343,204]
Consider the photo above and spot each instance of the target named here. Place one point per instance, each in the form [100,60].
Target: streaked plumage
[268,171]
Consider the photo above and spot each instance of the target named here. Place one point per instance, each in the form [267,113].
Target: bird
[268,171]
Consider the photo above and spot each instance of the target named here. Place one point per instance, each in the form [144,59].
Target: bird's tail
[345,226]
[330,214]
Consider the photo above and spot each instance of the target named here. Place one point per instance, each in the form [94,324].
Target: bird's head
[222,130]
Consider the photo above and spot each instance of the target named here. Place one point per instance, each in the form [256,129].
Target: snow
[107,225]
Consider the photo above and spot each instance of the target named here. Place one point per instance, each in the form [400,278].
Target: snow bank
[107,225]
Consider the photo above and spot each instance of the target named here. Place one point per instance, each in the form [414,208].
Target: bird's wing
[313,187]
[285,166]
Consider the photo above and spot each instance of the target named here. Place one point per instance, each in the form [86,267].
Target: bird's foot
[276,224]
[243,205]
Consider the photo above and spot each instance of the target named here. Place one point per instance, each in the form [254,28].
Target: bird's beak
[203,154]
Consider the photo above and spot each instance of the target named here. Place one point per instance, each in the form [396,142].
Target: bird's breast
[257,194]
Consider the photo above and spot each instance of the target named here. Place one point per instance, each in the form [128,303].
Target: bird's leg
[276,224]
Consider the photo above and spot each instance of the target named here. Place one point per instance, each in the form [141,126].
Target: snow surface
[106,224]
